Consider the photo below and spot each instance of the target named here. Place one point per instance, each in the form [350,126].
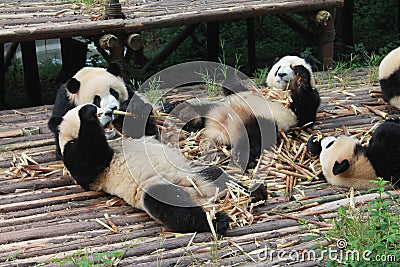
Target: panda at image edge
[248,122]
[345,162]
[104,88]
[153,179]
[389,77]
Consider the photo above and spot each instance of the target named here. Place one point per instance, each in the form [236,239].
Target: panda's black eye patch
[330,143]
[114,93]
[96,100]
[276,73]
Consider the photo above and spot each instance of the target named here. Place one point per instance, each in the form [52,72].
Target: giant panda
[345,162]
[280,73]
[248,122]
[104,88]
[389,77]
[143,172]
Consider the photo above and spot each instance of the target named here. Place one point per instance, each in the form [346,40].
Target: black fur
[73,85]
[187,217]
[114,68]
[193,115]
[260,134]
[88,155]
[61,106]
[305,99]
[114,93]
[340,167]
[97,100]
[390,86]
[314,146]
[384,151]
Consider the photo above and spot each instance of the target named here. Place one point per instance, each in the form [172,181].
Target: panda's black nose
[114,108]
[282,75]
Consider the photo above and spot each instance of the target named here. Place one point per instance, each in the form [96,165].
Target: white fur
[390,64]
[141,163]
[225,121]
[283,67]
[395,101]
[98,81]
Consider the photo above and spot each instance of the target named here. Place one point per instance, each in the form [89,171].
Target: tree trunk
[73,53]
[344,28]
[31,73]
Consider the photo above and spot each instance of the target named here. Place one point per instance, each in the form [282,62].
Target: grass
[359,58]
[85,258]
[260,76]
[153,92]
[373,229]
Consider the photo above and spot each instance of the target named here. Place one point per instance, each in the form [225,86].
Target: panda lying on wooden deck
[143,172]
[249,123]
[345,162]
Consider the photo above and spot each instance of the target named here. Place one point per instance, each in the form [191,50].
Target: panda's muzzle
[106,117]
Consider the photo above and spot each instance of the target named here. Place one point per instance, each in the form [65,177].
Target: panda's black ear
[73,85]
[114,68]
[314,145]
[53,123]
[340,167]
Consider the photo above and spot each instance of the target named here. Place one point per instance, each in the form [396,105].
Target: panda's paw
[258,192]
[88,112]
[314,144]
[221,222]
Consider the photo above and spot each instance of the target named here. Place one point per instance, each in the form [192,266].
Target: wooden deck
[47,217]
[34,20]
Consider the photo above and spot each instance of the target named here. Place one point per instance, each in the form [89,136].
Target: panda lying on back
[147,175]
[345,162]
[104,88]
[248,122]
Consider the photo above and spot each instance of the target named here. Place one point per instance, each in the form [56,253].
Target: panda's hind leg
[175,208]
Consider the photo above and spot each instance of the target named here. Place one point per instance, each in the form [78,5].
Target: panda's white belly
[140,163]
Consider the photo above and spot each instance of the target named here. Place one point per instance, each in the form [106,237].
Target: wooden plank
[150,15]
[45,218]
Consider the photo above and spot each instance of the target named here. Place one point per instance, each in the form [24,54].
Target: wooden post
[114,45]
[398,18]
[213,41]
[2,79]
[135,41]
[325,40]
[344,28]
[112,10]
[251,45]
[10,54]
[31,73]
[73,54]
